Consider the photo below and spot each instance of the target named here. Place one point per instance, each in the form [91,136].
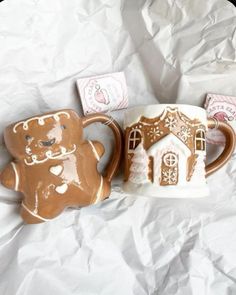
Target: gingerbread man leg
[44,203]
[30,217]
[36,213]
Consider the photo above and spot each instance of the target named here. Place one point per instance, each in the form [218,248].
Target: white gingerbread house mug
[165,150]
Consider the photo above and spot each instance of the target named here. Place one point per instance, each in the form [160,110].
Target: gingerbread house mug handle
[106,120]
[230,139]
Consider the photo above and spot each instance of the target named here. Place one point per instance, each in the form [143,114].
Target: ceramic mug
[54,167]
[165,150]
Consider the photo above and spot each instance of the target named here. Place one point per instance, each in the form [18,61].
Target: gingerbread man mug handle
[230,139]
[106,120]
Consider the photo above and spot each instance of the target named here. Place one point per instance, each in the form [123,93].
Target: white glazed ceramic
[165,151]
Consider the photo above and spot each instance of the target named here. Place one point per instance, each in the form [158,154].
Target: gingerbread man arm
[9,177]
[97,148]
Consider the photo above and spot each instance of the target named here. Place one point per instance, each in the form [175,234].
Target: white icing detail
[47,192]
[28,150]
[33,214]
[168,109]
[16,177]
[35,161]
[154,133]
[94,150]
[40,120]
[185,133]
[57,118]
[49,155]
[36,204]
[133,115]
[99,192]
[63,150]
[61,189]
[64,153]
[56,170]
[170,159]
[170,122]
[139,166]
[25,126]
[170,176]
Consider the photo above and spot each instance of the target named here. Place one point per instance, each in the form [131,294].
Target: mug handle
[106,120]
[230,138]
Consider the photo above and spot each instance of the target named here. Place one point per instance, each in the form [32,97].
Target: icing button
[56,170]
[61,189]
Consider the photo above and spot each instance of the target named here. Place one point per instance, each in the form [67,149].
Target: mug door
[169,169]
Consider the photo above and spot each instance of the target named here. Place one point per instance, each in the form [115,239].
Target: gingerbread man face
[40,138]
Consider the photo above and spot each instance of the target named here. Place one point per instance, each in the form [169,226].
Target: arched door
[169,169]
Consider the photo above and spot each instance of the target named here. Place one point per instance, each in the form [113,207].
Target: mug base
[166,192]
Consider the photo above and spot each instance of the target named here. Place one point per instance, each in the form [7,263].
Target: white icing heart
[56,170]
[61,189]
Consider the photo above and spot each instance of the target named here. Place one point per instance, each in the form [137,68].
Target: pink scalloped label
[223,108]
[103,93]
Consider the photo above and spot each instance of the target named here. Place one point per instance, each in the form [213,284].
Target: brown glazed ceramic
[165,150]
[54,167]
[229,134]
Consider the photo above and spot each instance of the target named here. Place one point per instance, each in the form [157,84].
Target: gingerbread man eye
[63,126]
[28,137]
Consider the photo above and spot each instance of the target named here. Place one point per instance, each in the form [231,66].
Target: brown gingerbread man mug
[54,167]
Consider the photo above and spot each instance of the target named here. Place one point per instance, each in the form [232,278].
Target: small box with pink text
[222,108]
[103,93]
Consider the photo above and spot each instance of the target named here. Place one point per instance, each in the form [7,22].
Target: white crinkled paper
[170,51]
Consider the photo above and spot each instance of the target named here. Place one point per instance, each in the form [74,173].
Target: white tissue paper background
[171,51]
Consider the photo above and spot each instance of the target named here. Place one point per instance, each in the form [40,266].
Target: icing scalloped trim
[50,156]
[40,120]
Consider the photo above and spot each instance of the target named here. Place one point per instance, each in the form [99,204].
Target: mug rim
[133,114]
[166,105]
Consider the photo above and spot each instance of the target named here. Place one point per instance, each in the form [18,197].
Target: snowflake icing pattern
[170,122]
[154,133]
[185,133]
[169,176]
